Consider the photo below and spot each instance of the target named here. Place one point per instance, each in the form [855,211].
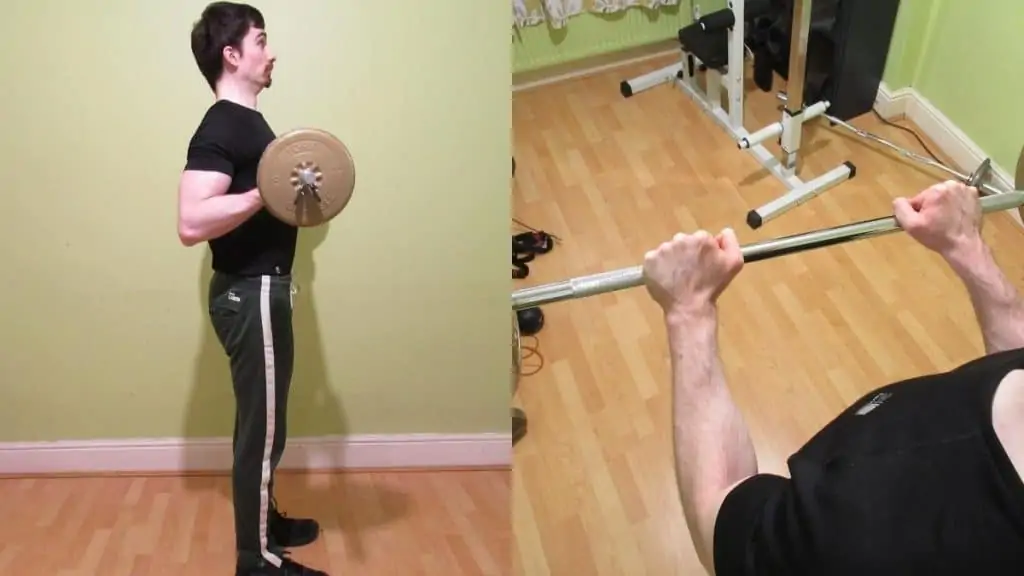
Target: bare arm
[713,450]
[206,211]
[997,304]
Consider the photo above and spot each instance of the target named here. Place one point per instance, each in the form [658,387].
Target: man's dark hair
[222,24]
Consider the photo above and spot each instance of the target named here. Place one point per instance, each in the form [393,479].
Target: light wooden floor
[437,524]
[801,336]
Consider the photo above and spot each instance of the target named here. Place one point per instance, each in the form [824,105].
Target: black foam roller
[719,20]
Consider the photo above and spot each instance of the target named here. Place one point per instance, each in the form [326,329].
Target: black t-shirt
[910,480]
[231,139]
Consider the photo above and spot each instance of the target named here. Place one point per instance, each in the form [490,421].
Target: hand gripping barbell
[615,280]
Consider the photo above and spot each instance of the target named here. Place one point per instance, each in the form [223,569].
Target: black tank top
[909,480]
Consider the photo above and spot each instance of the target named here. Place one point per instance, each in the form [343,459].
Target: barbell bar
[625,278]
[973,179]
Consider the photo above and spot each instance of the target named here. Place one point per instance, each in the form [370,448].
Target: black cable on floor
[911,131]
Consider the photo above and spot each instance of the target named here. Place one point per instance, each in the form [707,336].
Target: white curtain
[558,12]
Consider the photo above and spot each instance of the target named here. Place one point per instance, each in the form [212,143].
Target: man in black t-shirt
[920,477]
[250,292]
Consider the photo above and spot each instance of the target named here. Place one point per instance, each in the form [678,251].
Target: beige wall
[402,315]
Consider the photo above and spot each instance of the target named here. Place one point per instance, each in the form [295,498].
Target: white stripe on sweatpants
[268,440]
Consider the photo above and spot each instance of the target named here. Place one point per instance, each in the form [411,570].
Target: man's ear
[231,55]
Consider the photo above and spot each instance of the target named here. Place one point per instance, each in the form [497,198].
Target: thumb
[730,245]
[727,240]
[905,214]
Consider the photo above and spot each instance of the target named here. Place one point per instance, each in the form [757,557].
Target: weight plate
[306,177]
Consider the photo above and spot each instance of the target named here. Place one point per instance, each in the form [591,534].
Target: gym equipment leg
[789,130]
[730,78]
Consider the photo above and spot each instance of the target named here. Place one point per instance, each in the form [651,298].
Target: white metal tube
[650,79]
[800,195]
[815,110]
[734,74]
[792,130]
[764,134]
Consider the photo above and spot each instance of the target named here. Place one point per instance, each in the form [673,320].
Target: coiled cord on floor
[528,352]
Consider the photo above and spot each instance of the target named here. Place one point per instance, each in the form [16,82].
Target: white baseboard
[963,152]
[590,67]
[893,104]
[175,455]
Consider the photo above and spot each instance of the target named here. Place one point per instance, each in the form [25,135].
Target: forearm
[216,216]
[713,449]
[997,303]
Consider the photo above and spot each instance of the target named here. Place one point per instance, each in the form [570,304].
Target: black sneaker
[288,568]
[292,532]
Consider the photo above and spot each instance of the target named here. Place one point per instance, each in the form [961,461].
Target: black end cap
[853,169]
[754,219]
[625,89]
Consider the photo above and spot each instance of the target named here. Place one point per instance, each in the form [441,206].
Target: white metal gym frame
[787,130]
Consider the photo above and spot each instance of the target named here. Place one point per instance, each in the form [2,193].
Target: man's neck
[241,95]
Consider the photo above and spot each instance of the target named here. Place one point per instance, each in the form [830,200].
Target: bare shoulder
[1008,418]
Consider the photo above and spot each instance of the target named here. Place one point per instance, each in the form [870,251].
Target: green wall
[589,35]
[913,27]
[959,72]
[951,52]
[401,319]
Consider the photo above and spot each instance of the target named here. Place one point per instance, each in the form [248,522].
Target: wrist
[255,198]
[966,254]
[691,315]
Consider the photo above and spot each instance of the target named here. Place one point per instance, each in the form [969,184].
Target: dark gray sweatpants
[252,317]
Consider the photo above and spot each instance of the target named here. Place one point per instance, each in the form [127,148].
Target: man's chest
[250,144]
